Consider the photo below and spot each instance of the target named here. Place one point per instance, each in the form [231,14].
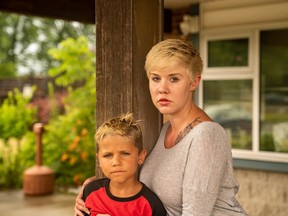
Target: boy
[120,153]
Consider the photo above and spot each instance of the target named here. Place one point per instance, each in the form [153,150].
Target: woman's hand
[79,203]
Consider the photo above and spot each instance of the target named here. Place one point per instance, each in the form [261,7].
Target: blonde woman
[190,167]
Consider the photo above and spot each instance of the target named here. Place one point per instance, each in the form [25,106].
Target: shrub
[69,138]
[16,119]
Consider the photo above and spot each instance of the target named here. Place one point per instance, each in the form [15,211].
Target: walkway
[14,203]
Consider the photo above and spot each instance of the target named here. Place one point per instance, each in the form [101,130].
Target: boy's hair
[173,52]
[124,126]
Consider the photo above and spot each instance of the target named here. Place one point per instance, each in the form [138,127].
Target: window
[229,102]
[245,89]
[274,90]
[228,53]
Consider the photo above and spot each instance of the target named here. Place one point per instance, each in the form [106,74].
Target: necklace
[187,129]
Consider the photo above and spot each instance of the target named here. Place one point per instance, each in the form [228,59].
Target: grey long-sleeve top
[195,177]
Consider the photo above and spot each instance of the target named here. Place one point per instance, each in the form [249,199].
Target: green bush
[9,163]
[267,142]
[16,119]
[68,139]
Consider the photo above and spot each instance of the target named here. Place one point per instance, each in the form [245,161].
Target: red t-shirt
[99,200]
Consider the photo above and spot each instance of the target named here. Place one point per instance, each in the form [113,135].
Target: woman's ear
[195,82]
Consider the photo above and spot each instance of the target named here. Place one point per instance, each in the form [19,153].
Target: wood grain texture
[125,32]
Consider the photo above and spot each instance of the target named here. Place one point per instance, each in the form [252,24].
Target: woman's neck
[182,124]
[180,120]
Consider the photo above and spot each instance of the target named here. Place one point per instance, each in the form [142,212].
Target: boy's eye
[107,155]
[125,153]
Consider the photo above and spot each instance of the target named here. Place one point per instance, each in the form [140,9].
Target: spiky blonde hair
[125,126]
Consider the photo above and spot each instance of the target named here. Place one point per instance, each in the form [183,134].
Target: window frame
[224,71]
[252,71]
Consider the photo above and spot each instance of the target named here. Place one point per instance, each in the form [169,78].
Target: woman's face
[171,90]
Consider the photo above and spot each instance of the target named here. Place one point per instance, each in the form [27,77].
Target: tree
[69,137]
[24,42]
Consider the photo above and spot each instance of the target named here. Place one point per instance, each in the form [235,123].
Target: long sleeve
[204,171]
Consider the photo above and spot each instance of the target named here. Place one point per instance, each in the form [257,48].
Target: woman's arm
[79,203]
[205,169]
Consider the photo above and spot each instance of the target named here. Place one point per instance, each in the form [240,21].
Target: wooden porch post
[125,32]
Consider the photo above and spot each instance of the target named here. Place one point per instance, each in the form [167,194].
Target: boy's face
[119,158]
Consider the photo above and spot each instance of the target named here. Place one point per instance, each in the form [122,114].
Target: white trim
[247,27]
[255,97]
[261,156]
[243,13]
[225,76]
[218,71]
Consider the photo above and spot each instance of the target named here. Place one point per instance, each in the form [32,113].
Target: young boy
[120,153]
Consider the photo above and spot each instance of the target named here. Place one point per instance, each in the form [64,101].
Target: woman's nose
[163,88]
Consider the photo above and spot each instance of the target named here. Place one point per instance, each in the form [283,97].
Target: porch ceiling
[170,4]
[72,10]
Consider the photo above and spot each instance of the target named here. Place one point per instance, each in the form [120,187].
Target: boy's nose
[116,161]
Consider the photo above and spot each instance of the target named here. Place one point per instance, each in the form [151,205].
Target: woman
[190,167]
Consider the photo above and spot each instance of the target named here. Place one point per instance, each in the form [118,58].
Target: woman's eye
[174,79]
[155,78]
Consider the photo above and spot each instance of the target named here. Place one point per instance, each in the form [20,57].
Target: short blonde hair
[124,126]
[173,52]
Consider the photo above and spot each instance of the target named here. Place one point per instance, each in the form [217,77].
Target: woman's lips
[163,102]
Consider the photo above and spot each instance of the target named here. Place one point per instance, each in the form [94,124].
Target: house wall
[263,193]
[233,14]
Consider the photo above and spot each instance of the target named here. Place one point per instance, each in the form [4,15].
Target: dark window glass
[229,102]
[228,53]
[274,90]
